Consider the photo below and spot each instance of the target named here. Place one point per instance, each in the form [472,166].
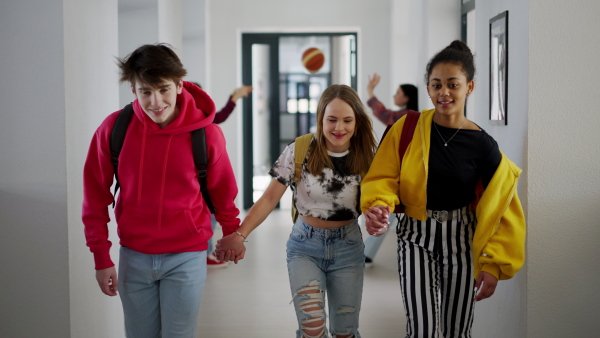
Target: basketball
[313,59]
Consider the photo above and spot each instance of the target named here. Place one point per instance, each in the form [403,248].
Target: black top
[455,169]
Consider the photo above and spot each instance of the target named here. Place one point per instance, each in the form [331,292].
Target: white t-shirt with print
[333,195]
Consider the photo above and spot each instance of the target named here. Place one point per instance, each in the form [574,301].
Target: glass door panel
[261,119]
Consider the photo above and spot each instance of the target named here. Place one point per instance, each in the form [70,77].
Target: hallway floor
[252,299]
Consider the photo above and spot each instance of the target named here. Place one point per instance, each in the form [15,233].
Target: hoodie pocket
[143,224]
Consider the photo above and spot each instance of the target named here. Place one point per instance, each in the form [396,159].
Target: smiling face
[339,122]
[159,102]
[448,88]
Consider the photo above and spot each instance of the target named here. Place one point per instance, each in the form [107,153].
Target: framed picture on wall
[499,68]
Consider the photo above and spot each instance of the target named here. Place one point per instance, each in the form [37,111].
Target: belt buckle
[440,215]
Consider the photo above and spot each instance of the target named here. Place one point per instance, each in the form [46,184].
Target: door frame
[271,39]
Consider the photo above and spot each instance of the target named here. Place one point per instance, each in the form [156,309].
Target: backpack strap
[117,138]
[201,162]
[408,131]
[301,146]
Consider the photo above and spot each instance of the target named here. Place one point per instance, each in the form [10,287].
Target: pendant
[445,144]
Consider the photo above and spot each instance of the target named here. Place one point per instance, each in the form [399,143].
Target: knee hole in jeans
[342,310]
[312,304]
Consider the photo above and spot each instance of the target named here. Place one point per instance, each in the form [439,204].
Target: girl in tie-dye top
[325,248]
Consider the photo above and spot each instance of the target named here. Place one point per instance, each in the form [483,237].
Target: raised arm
[240,92]
[373,82]
[237,94]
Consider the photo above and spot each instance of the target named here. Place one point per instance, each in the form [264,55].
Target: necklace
[457,130]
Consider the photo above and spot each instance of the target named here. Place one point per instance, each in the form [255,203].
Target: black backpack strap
[117,137]
[201,162]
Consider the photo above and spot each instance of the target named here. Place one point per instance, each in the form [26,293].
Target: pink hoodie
[160,208]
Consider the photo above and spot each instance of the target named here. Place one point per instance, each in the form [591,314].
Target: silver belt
[439,215]
[444,215]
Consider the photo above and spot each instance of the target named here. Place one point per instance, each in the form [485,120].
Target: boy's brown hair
[151,65]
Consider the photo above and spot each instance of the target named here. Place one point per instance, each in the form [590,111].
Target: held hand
[230,247]
[107,280]
[373,82]
[229,255]
[488,288]
[238,93]
[240,256]
[377,220]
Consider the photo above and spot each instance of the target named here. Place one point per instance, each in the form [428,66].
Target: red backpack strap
[408,130]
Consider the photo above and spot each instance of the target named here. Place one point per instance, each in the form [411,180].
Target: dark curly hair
[151,64]
[458,53]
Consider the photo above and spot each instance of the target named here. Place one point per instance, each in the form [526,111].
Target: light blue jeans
[213,224]
[326,263]
[161,293]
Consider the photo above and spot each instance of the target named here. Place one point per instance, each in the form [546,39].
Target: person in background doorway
[325,249]
[221,116]
[163,221]
[407,98]
[464,227]
[237,94]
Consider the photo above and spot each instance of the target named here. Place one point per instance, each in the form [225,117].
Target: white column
[91,93]
[170,27]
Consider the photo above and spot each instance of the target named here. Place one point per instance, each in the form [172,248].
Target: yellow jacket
[499,239]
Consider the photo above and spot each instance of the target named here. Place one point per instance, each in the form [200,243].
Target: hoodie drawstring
[141,167]
[162,181]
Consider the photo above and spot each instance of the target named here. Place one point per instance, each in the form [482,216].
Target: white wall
[34,249]
[563,159]
[138,25]
[227,19]
[193,49]
[504,315]
[170,24]
[91,93]
[55,85]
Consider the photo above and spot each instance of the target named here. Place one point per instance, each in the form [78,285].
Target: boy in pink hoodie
[163,221]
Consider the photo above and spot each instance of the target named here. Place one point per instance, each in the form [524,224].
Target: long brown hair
[362,143]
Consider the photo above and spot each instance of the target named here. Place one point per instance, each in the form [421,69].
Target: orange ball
[313,59]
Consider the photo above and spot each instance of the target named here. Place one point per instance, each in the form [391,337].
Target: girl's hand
[230,248]
[485,286]
[377,220]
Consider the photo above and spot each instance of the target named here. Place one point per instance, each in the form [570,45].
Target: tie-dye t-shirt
[332,196]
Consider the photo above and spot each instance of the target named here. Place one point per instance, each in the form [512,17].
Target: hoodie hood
[196,110]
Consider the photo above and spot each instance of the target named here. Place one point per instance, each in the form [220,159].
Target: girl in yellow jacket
[452,247]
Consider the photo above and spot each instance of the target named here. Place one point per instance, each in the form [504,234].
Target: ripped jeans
[326,263]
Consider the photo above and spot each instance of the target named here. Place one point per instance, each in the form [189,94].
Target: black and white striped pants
[436,273]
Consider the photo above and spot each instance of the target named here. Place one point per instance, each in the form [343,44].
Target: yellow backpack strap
[301,146]
[300,151]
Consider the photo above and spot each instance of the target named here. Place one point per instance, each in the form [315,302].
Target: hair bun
[457,52]
[460,46]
